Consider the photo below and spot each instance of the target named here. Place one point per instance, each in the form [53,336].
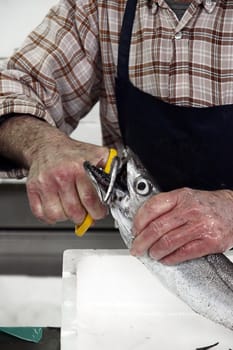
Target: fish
[205,284]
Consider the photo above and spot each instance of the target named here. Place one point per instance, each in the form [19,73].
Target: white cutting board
[112,302]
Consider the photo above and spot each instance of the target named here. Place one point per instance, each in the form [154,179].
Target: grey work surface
[28,246]
[49,341]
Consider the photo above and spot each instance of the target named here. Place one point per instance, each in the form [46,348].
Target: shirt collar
[209,5]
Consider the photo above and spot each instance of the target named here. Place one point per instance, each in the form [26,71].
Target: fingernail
[165,262]
[152,256]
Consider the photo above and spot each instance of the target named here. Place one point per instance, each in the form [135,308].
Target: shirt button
[178,36]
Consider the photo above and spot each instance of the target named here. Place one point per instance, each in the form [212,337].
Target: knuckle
[79,215]
[38,214]
[75,213]
[39,184]
[67,172]
[222,247]
[202,229]
[217,245]
[186,197]
[77,168]
[62,176]
[37,211]
[88,199]
[36,208]
[166,243]
[186,192]
[183,252]
[155,228]
[71,209]
[194,210]
[32,186]
[151,206]
[41,179]
[53,215]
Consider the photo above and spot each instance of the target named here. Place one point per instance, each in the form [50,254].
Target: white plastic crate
[111,301]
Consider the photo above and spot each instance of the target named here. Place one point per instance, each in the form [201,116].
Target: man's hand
[184,224]
[57,186]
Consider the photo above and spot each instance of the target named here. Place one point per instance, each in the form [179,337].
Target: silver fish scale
[204,284]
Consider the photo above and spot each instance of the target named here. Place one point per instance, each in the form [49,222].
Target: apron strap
[125,39]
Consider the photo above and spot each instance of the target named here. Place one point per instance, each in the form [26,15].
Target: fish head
[131,188]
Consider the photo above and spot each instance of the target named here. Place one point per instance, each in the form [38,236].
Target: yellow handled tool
[87,222]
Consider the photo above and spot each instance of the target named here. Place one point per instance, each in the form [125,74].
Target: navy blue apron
[180,146]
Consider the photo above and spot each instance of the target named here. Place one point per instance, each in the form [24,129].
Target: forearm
[21,137]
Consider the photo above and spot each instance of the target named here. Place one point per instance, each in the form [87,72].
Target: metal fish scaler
[205,284]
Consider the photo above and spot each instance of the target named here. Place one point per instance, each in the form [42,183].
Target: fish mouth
[108,186]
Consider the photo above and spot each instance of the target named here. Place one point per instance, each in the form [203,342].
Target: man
[164,82]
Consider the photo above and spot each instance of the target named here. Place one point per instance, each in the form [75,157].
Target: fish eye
[142,186]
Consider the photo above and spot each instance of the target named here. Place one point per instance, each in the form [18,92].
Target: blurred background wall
[17,19]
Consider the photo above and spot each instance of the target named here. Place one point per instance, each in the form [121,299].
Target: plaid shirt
[69,61]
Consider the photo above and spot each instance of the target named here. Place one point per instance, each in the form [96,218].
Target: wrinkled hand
[184,224]
[57,185]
